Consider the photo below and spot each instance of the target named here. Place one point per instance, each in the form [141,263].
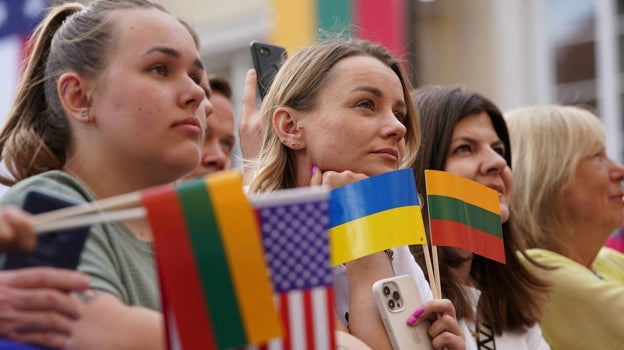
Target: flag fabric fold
[464,214]
[374,214]
[294,225]
[214,279]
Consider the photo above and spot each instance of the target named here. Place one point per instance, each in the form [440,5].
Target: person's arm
[16,230]
[364,320]
[250,127]
[108,323]
[36,306]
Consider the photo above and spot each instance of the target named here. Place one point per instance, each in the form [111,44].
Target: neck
[583,243]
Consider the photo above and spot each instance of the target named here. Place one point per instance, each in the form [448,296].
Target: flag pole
[121,201]
[432,280]
[436,269]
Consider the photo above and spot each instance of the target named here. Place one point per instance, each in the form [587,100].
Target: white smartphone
[397,298]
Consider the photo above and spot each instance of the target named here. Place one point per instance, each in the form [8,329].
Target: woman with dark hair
[464,133]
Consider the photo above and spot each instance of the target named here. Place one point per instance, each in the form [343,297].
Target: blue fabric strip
[373,195]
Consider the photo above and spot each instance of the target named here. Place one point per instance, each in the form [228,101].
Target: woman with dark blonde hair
[110,103]
[337,112]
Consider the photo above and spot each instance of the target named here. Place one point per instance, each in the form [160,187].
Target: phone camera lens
[386,290]
[396,295]
[264,51]
[391,303]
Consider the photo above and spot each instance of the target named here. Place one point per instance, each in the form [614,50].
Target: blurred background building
[516,52]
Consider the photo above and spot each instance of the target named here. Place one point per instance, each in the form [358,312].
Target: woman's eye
[160,70]
[462,149]
[401,117]
[197,79]
[367,104]
[500,150]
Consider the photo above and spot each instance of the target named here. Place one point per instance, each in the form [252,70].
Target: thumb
[317,176]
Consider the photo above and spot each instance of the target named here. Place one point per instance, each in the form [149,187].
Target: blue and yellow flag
[374,214]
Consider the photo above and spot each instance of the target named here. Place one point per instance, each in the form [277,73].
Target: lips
[191,124]
[388,151]
[497,188]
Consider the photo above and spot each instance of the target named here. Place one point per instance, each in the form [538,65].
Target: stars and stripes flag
[17,19]
[294,225]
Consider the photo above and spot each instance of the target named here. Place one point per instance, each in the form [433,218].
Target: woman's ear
[73,93]
[288,127]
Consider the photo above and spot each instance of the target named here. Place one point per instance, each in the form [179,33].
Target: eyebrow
[173,53]
[375,91]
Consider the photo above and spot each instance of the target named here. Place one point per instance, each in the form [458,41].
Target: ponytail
[73,37]
[32,138]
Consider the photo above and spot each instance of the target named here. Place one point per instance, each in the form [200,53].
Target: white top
[530,339]
[403,263]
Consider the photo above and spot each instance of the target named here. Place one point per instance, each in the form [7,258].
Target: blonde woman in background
[567,199]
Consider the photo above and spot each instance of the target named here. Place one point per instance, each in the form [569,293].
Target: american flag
[294,225]
[17,19]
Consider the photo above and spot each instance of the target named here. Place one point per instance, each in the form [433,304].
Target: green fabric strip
[212,264]
[447,208]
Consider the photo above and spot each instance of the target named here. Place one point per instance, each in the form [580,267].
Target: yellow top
[585,310]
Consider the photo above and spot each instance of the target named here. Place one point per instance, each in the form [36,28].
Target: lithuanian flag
[464,214]
[214,279]
[374,214]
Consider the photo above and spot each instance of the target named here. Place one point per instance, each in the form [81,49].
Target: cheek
[463,169]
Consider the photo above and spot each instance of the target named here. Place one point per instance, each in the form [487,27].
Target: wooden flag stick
[432,280]
[117,202]
[436,269]
[91,218]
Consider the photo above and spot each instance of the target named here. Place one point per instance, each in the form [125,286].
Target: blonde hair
[296,85]
[548,142]
[72,37]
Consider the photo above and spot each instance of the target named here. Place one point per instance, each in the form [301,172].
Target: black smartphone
[267,60]
[60,249]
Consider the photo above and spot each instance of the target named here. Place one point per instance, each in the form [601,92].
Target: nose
[492,162]
[617,171]
[393,127]
[213,155]
[208,107]
[193,95]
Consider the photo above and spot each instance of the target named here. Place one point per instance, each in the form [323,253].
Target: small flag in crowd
[464,214]
[214,279]
[374,214]
[294,227]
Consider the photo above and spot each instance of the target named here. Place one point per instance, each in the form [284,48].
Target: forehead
[364,70]
[142,29]
[480,122]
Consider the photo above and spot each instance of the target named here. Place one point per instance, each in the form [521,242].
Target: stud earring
[84,114]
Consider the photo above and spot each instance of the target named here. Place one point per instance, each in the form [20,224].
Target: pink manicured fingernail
[314,169]
[412,319]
